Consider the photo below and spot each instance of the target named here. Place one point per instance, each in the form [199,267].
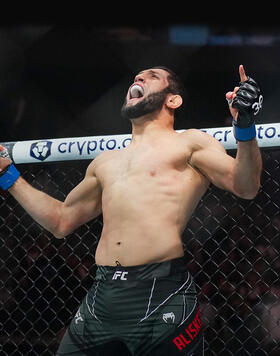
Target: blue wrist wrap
[244,134]
[9,177]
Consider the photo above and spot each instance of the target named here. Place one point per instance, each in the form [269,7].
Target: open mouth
[136,91]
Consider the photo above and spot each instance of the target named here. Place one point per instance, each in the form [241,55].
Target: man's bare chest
[140,162]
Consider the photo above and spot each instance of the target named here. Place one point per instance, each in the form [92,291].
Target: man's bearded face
[147,105]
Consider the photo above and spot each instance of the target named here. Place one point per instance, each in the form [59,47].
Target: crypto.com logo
[41,150]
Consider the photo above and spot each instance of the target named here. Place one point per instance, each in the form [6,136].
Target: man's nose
[139,78]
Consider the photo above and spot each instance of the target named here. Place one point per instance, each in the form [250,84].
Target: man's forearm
[43,208]
[248,169]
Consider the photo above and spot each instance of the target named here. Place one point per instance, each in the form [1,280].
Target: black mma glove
[248,102]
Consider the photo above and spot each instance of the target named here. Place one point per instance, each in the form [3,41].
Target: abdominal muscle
[147,240]
[144,216]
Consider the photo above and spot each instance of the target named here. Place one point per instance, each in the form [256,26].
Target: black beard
[150,104]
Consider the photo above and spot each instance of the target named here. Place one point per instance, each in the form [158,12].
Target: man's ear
[174,101]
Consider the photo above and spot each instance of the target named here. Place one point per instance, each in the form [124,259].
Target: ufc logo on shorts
[120,275]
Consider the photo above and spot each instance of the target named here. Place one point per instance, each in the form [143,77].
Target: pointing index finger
[242,74]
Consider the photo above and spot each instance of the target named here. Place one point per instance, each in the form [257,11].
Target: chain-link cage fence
[231,247]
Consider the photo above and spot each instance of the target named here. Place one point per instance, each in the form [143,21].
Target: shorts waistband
[142,272]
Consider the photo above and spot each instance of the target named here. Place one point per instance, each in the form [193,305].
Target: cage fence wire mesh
[231,247]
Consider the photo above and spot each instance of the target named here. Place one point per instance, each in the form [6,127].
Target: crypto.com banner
[80,148]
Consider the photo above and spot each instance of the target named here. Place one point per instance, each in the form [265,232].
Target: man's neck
[150,127]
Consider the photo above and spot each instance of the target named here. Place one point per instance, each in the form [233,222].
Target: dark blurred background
[70,79]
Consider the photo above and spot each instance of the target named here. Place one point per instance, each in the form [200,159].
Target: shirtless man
[143,296]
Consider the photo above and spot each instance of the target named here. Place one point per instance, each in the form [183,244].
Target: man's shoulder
[105,156]
[108,154]
[191,131]
[199,138]
[191,134]
[103,160]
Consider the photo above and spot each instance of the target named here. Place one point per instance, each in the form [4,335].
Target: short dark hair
[175,84]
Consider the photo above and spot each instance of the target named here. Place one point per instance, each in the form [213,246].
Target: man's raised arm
[240,175]
[245,103]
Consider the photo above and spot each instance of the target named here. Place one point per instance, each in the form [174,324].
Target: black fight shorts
[147,310]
